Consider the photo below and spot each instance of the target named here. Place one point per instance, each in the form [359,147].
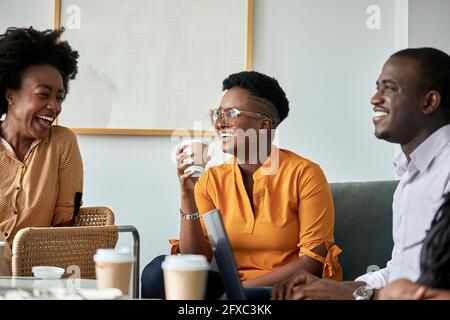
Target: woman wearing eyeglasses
[276,206]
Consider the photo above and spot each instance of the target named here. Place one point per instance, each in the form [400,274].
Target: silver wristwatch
[363,293]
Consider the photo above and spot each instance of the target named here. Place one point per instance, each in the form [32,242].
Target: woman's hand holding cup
[184,160]
[191,162]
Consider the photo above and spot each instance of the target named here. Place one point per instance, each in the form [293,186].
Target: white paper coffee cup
[198,150]
[185,276]
[2,249]
[113,268]
[4,269]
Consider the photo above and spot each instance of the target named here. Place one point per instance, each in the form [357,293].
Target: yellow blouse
[293,213]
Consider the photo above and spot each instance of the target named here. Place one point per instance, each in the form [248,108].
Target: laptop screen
[223,255]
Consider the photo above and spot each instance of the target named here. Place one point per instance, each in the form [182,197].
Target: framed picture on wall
[151,67]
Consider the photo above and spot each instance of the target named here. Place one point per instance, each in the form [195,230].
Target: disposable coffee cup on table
[198,150]
[185,276]
[113,268]
[2,250]
[3,266]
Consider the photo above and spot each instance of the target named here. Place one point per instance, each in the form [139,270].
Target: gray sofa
[363,224]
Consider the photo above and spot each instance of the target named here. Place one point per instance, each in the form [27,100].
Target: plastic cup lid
[120,255]
[186,262]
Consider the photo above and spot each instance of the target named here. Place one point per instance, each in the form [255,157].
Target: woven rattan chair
[94,216]
[62,247]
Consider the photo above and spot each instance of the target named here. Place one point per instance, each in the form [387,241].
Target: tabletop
[69,288]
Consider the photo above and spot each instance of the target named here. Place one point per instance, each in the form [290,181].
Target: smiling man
[412,108]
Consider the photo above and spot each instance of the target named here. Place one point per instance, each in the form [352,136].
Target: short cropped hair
[262,86]
[435,68]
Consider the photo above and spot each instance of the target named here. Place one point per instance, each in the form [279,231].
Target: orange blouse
[293,213]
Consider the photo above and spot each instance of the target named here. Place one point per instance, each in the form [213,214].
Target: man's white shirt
[423,182]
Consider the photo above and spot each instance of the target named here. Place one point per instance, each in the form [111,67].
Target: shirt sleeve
[447,188]
[316,217]
[377,279]
[70,178]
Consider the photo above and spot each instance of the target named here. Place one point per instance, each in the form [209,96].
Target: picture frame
[151,67]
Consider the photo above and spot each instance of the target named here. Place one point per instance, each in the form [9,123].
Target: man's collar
[422,156]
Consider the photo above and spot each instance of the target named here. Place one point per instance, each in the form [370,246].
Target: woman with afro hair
[40,163]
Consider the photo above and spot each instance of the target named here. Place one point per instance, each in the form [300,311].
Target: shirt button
[6,234]
[18,188]
[15,211]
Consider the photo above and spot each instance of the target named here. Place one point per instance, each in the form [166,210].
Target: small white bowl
[47,272]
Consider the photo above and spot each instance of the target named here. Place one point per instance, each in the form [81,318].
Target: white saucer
[47,272]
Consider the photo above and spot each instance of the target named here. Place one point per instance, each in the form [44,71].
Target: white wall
[327,61]
[25,13]
[431,24]
[135,177]
[323,56]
